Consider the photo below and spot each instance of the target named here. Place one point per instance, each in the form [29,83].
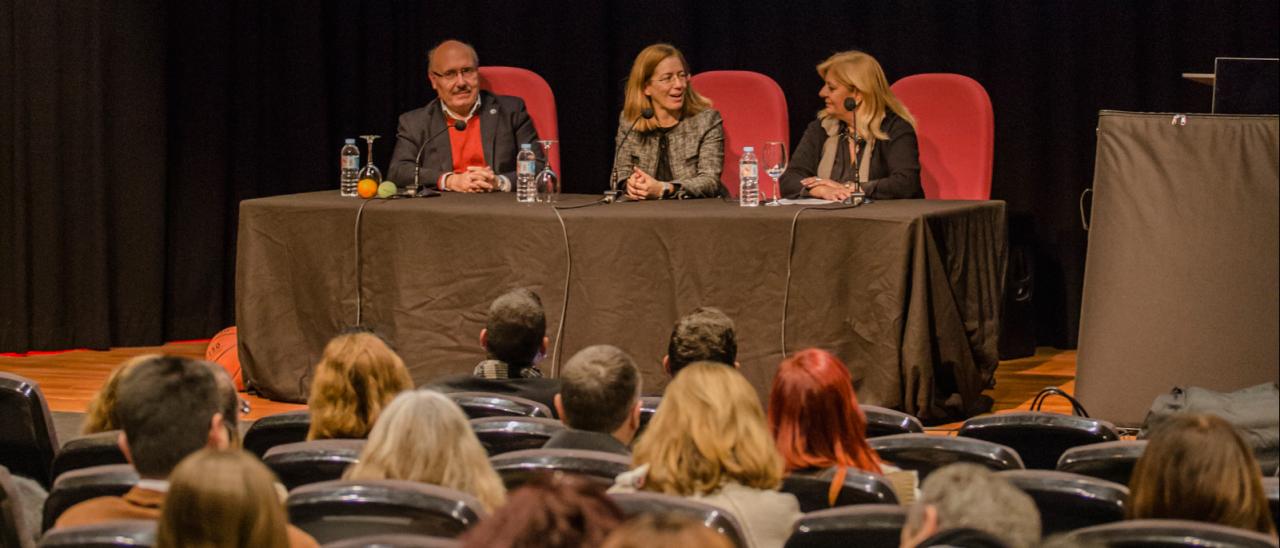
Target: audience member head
[453,68]
[229,402]
[706,334]
[1197,467]
[357,376]
[98,416]
[556,511]
[424,437]
[814,414]
[168,408]
[857,75]
[600,392]
[515,332]
[659,80]
[709,430]
[669,530]
[222,499]
[969,496]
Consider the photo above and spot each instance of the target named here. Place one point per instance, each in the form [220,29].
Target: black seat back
[278,429]
[1039,438]
[76,486]
[487,404]
[395,541]
[648,406]
[518,467]
[1160,533]
[882,421]
[111,534]
[88,450]
[925,453]
[858,488]
[506,434]
[336,510]
[27,438]
[1070,501]
[869,525]
[298,464]
[712,517]
[1111,460]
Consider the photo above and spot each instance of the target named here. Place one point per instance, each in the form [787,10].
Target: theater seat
[648,406]
[506,434]
[314,461]
[518,467]
[278,429]
[486,404]
[89,450]
[1070,501]
[395,541]
[539,101]
[26,433]
[882,421]
[76,486]
[111,534]
[1111,460]
[955,127]
[925,453]
[872,525]
[711,517]
[1161,533]
[754,111]
[337,510]
[1039,438]
[859,488]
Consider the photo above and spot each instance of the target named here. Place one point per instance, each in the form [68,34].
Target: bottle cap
[748,149]
[351,141]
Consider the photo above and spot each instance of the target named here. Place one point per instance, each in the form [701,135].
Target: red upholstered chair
[956,129]
[754,111]
[538,99]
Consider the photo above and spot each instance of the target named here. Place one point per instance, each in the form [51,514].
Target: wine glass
[775,163]
[548,183]
[370,171]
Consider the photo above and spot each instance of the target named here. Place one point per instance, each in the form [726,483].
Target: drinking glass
[370,171]
[774,156]
[548,183]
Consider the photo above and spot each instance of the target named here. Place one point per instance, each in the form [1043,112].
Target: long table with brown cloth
[906,292]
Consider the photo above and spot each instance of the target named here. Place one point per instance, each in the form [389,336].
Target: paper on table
[804,201]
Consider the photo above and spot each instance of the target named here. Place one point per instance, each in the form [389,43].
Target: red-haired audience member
[225,499]
[704,335]
[423,436]
[1197,467]
[968,496]
[709,442]
[98,416]
[557,511]
[668,530]
[357,376]
[818,426]
[599,401]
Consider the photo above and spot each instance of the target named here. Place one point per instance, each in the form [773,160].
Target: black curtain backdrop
[130,130]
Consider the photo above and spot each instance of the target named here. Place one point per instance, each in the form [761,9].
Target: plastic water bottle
[350,162]
[748,178]
[526,168]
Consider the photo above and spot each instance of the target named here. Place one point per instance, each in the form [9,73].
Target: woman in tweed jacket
[677,147]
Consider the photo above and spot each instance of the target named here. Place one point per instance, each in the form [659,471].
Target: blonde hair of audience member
[357,376]
[648,530]
[969,495]
[641,72]
[98,417]
[1197,467]
[861,73]
[423,436]
[709,430]
[222,499]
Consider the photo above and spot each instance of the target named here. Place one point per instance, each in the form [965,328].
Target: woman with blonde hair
[357,376]
[863,139]
[709,441]
[1197,467]
[225,499]
[423,436]
[97,417]
[670,142]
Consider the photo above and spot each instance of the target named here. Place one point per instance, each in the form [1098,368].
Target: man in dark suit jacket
[599,401]
[471,137]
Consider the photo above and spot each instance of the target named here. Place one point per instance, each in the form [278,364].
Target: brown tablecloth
[907,292]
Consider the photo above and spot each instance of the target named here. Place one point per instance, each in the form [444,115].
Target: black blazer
[504,126]
[586,439]
[895,164]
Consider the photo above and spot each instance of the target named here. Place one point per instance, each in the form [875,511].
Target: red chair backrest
[956,130]
[754,111]
[537,96]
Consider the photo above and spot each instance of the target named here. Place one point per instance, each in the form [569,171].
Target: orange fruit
[367,188]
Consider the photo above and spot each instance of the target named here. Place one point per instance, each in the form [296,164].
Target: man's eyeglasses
[668,79]
[466,73]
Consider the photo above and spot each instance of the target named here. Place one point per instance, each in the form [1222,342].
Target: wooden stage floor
[69,379]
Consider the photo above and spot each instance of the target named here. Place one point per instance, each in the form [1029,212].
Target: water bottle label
[748,171]
[528,166]
[350,162]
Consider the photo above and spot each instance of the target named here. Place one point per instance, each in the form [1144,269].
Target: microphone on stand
[851,105]
[613,194]
[460,125]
